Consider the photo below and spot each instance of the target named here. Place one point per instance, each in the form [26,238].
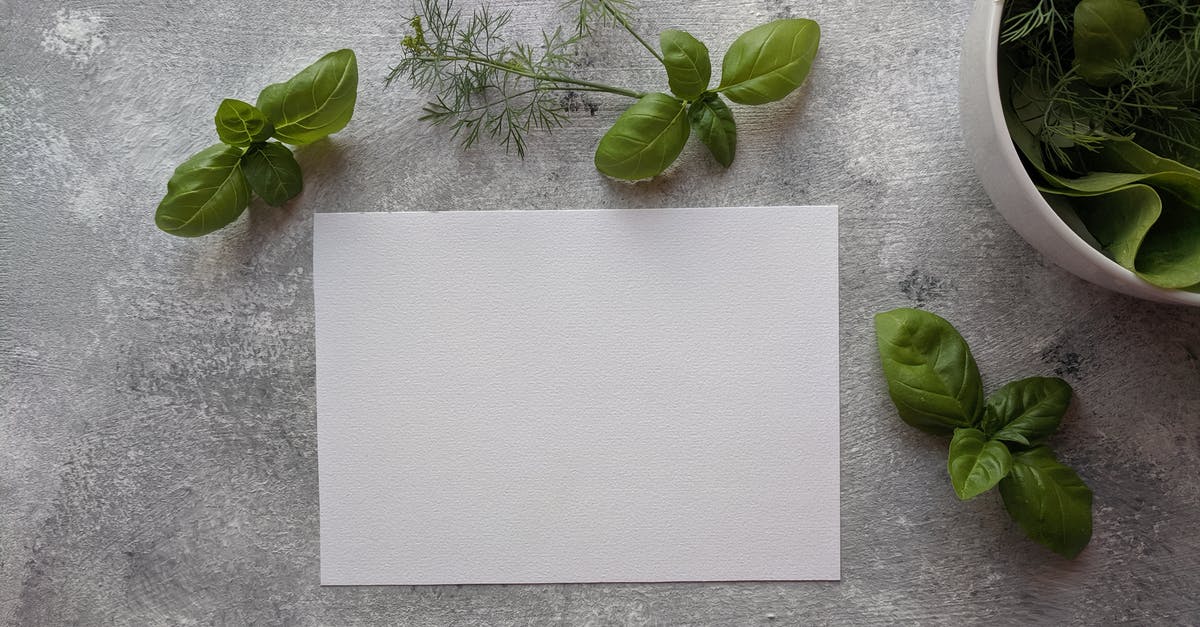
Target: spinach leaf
[1105,35]
[1119,218]
[932,377]
[1170,254]
[206,192]
[769,61]
[272,172]
[645,139]
[976,463]
[1152,233]
[686,59]
[1123,155]
[316,102]
[1028,410]
[241,123]
[713,123]
[1049,501]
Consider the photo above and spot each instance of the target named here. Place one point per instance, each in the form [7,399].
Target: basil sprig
[998,441]
[763,65]
[214,186]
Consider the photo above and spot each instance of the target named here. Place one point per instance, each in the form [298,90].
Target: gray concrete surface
[157,421]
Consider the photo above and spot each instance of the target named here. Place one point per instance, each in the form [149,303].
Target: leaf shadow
[772,124]
[648,193]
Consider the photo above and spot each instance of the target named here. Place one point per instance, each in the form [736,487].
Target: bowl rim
[1126,281]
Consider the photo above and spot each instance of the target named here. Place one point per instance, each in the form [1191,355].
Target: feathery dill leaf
[483,84]
[1155,101]
[592,14]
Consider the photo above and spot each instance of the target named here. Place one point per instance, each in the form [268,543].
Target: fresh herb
[1102,99]
[214,186]
[483,84]
[998,441]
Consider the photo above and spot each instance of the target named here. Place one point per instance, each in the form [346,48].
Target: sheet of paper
[577,396]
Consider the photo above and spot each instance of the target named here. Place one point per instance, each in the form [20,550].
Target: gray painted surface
[156,394]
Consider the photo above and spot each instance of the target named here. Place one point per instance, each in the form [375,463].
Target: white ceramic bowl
[1005,178]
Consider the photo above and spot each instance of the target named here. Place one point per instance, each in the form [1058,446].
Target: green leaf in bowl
[1105,37]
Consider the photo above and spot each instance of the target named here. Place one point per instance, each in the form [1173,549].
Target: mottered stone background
[158,458]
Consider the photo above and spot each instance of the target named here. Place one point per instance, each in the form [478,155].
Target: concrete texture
[156,394]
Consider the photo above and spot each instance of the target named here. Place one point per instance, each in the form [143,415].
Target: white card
[577,396]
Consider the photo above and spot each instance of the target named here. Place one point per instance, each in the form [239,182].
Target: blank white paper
[577,396]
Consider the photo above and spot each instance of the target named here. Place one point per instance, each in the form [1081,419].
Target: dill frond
[1155,101]
[1042,17]
[482,84]
[593,14]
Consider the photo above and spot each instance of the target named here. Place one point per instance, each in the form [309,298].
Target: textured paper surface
[577,396]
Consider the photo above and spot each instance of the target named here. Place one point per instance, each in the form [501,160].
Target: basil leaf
[316,102]
[1104,38]
[206,192]
[1028,410]
[272,172]
[713,123]
[769,61]
[687,63]
[976,464]
[645,139]
[1049,501]
[241,123]
[932,377]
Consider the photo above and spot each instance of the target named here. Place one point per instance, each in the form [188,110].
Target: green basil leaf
[976,463]
[206,192]
[1028,410]
[272,172]
[645,139]
[687,63]
[1117,163]
[932,377]
[241,123]
[1049,501]
[713,123]
[317,102]
[1106,32]
[769,61]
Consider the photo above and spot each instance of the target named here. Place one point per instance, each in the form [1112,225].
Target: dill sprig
[591,14]
[1154,101]
[484,84]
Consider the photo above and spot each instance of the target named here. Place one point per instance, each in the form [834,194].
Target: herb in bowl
[1102,100]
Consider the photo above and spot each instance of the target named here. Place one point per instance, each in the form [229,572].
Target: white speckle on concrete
[76,35]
